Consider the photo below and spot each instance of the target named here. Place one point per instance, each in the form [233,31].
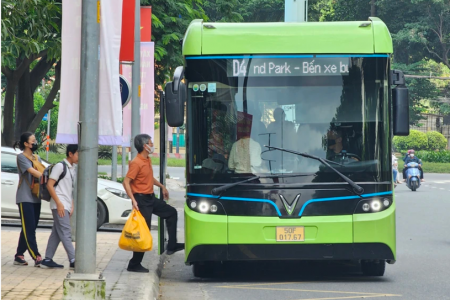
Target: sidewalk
[28,282]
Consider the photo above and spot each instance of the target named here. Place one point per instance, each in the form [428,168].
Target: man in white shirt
[61,204]
[245,156]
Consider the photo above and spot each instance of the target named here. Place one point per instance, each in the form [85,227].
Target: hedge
[436,141]
[434,156]
[416,140]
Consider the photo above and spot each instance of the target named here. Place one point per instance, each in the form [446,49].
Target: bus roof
[356,37]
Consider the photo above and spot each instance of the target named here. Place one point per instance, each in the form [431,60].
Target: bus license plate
[291,234]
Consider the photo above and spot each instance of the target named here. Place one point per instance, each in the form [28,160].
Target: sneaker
[138,269]
[38,261]
[20,261]
[49,264]
[72,266]
[178,247]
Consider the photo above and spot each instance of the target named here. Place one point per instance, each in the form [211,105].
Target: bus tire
[373,267]
[201,270]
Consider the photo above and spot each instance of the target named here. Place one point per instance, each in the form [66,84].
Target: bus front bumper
[211,237]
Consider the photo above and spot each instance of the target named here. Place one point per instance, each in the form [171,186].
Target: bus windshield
[239,106]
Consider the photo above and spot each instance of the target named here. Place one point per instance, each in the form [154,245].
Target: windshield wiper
[218,190]
[356,188]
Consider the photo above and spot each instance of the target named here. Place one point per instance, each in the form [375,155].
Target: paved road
[421,272]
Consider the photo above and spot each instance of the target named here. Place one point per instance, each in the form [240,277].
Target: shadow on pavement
[282,271]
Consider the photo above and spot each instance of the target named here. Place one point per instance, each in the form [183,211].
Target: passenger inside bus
[245,154]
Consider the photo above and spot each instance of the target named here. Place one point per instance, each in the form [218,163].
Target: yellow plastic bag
[136,235]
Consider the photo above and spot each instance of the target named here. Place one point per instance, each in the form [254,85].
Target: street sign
[45,118]
[125,91]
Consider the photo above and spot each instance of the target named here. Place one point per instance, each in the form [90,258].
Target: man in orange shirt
[139,184]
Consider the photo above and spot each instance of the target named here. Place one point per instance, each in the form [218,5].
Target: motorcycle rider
[413,158]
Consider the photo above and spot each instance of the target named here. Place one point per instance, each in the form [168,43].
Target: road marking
[354,297]
[258,284]
[441,188]
[298,290]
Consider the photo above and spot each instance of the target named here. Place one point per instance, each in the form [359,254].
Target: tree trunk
[48,101]
[25,105]
[8,114]
[373,8]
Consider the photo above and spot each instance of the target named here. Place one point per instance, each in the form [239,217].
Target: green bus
[288,142]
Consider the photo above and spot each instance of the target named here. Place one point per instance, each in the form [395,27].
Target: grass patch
[429,167]
[171,162]
[53,158]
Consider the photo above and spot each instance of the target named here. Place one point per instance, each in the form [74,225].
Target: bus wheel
[373,267]
[202,269]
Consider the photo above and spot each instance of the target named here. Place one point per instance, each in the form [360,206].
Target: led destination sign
[314,66]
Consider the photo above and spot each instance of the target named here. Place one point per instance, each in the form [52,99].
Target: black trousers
[420,170]
[148,205]
[29,217]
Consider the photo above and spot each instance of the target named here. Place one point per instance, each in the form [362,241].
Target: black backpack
[44,194]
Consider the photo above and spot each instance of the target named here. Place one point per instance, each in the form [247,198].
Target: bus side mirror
[400,102]
[174,99]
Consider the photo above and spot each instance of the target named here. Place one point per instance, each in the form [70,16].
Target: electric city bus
[288,142]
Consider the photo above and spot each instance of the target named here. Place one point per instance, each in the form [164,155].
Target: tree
[223,10]
[31,45]
[170,19]
[420,89]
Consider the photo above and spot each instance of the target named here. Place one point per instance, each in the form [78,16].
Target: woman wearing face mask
[29,204]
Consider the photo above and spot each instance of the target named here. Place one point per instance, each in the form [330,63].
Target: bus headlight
[366,207]
[373,205]
[206,206]
[203,207]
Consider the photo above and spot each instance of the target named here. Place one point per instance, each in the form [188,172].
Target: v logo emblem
[290,206]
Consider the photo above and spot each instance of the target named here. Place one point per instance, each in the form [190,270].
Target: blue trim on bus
[303,208]
[237,199]
[354,55]
[341,198]
[284,56]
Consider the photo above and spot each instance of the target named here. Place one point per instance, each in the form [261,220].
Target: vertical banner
[146,24]
[147,110]
[110,112]
[127,41]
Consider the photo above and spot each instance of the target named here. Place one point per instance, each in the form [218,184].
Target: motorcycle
[413,176]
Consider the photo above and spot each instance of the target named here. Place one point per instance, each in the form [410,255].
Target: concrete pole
[136,80]
[114,164]
[86,235]
[296,11]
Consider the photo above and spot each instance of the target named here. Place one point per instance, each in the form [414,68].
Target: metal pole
[114,164]
[124,161]
[162,166]
[136,80]
[48,128]
[86,251]
[178,140]
[296,11]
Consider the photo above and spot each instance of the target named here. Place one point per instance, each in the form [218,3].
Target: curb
[155,277]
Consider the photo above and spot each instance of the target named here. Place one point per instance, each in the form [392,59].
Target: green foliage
[222,10]
[119,179]
[105,152]
[419,89]
[436,141]
[416,140]
[39,100]
[437,167]
[170,19]
[434,156]
[28,27]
